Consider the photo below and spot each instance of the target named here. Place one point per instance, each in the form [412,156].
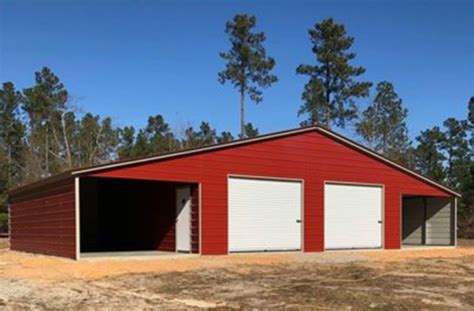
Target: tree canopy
[383,124]
[330,93]
[247,68]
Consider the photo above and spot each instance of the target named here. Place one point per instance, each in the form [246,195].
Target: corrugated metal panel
[312,157]
[439,221]
[353,216]
[413,220]
[43,221]
[264,215]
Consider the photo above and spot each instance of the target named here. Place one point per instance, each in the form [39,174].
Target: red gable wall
[310,156]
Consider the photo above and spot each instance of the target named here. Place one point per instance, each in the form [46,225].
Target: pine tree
[248,67]
[383,124]
[126,142]
[456,148]
[46,105]
[466,206]
[329,95]
[204,137]
[428,158]
[225,137]
[159,135]
[470,120]
[12,133]
[250,130]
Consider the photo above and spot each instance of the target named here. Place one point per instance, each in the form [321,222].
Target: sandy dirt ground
[380,280]
[3,243]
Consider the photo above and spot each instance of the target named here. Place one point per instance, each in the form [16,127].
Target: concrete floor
[416,247]
[135,255]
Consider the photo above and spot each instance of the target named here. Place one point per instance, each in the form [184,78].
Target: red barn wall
[311,156]
[43,220]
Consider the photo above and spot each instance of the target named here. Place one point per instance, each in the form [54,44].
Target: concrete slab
[427,247]
[134,255]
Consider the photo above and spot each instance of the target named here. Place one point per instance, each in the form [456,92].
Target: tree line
[41,133]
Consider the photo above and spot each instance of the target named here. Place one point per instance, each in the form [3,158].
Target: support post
[77,216]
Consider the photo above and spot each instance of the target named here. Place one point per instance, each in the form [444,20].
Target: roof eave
[322,130]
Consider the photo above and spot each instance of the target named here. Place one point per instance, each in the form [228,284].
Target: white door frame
[177,216]
[349,183]
[259,177]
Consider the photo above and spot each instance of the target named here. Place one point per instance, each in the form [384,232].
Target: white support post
[455,222]
[77,216]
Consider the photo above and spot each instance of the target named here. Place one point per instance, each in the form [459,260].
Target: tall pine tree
[330,93]
[456,148]
[46,105]
[248,67]
[12,133]
[428,157]
[383,124]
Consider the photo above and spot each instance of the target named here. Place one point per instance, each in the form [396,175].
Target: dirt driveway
[400,280]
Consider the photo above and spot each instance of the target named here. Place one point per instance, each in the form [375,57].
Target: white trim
[455,231]
[200,219]
[77,215]
[337,137]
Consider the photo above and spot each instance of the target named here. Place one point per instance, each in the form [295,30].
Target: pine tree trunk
[66,141]
[46,155]
[242,114]
[328,110]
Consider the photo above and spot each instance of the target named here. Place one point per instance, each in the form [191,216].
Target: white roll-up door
[352,216]
[264,215]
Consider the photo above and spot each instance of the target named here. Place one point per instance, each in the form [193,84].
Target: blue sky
[132,59]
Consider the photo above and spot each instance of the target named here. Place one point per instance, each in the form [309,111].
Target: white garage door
[352,216]
[264,215]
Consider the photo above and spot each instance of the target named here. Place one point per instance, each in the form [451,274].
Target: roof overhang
[188,152]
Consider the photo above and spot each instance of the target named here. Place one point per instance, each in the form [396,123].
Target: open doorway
[428,221]
[123,216]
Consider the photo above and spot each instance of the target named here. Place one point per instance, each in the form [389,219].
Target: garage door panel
[263,215]
[352,216]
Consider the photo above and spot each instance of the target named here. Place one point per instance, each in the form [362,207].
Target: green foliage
[466,177]
[225,137]
[45,105]
[126,142]
[383,124]
[330,93]
[250,130]
[3,222]
[248,68]
[470,124]
[155,138]
[455,145]
[204,137]
[12,144]
[428,157]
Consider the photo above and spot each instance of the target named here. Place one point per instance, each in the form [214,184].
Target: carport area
[126,217]
[428,221]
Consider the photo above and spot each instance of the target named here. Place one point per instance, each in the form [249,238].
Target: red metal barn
[306,189]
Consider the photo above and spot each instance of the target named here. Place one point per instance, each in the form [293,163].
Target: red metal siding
[43,221]
[311,156]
